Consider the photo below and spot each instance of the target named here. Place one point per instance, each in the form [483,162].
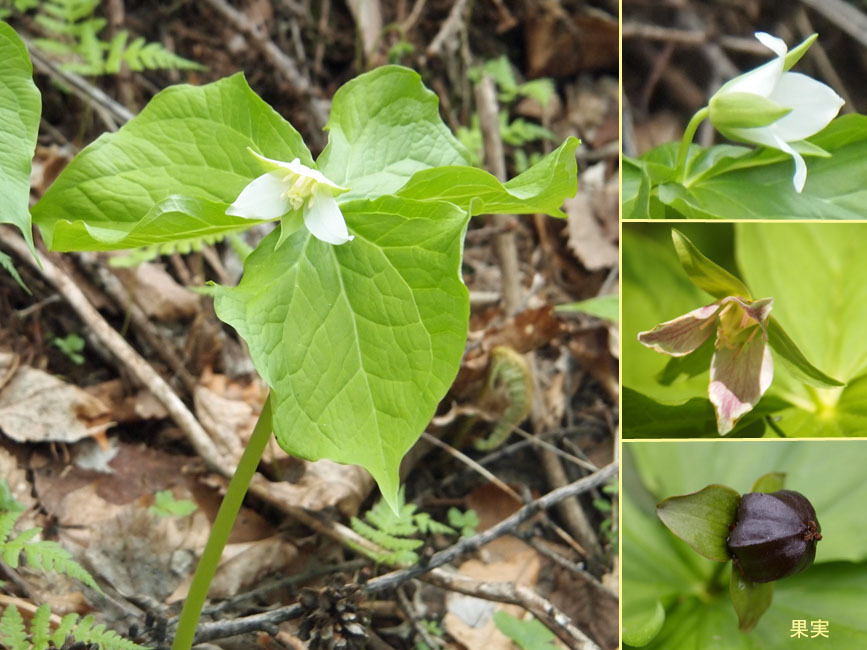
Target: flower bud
[774,535]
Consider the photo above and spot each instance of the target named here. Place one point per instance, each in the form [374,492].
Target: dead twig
[507,592]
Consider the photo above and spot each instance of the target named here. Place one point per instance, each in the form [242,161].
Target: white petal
[324,219]
[261,199]
[800,176]
[813,106]
[778,45]
[767,136]
[760,81]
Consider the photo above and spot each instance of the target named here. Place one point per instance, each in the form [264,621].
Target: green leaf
[383,128]
[644,417]
[358,342]
[189,141]
[733,110]
[770,482]
[635,190]
[606,307]
[642,621]
[704,273]
[759,185]
[794,360]
[750,599]
[527,635]
[20,108]
[702,519]
[174,223]
[542,188]
[165,505]
[811,270]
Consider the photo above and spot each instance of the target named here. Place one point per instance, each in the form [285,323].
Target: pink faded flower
[741,369]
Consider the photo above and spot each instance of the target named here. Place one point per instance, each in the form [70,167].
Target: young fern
[508,372]
[394,531]
[74,37]
[51,558]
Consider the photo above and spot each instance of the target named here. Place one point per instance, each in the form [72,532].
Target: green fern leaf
[13,547]
[13,634]
[7,523]
[427,525]
[154,56]
[40,631]
[67,624]
[115,52]
[51,556]
[383,539]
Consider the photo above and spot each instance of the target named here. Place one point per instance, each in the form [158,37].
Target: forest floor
[89,468]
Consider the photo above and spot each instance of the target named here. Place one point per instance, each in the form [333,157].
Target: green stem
[688,135]
[220,531]
[714,585]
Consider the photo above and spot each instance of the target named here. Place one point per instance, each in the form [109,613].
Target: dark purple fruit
[774,535]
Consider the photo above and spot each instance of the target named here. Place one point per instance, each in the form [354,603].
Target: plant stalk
[223,523]
[688,135]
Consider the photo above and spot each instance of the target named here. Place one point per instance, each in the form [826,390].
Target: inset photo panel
[744,330]
[744,545]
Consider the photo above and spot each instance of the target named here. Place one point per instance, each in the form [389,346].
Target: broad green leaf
[770,482]
[750,599]
[759,185]
[542,188]
[635,190]
[358,342]
[844,415]
[189,141]
[607,307]
[702,519]
[176,222]
[20,108]
[705,273]
[642,621]
[794,360]
[644,417]
[816,274]
[383,128]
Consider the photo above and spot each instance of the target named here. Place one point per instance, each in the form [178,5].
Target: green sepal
[735,110]
[770,482]
[704,273]
[794,360]
[290,223]
[750,599]
[794,55]
[702,519]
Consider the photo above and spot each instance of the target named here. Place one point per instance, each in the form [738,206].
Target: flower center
[736,327]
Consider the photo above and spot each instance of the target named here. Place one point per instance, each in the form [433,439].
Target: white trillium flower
[776,108]
[294,186]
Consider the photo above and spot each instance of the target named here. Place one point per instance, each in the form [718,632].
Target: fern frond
[13,634]
[40,632]
[154,56]
[383,539]
[67,624]
[427,524]
[12,548]
[7,523]
[52,557]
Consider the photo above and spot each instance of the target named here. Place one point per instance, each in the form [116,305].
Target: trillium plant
[744,334]
[790,117]
[353,308]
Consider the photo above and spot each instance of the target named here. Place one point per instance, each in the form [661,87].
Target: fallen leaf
[595,248]
[38,407]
